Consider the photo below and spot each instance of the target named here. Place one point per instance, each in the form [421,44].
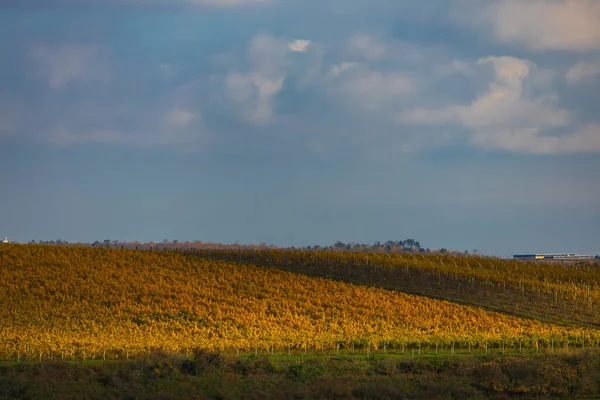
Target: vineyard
[82,302]
[565,294]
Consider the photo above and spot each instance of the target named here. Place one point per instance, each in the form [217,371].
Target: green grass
[211,376]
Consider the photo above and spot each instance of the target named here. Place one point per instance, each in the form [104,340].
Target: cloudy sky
[466,124]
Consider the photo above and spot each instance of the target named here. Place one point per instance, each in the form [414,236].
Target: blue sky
[466,124]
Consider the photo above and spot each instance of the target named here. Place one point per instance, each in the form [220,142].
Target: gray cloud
[583,71]
[179,117]
[364,83]
[542,25]
[505,117]
[269,61]
[61,64]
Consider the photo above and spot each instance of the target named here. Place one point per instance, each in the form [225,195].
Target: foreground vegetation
[84,303]
[566,294]
[213,376]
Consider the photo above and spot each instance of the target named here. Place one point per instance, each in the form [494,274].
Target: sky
[465,124]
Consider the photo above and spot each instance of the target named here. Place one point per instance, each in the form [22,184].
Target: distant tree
[410,244]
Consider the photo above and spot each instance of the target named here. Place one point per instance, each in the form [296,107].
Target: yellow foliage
[85,302]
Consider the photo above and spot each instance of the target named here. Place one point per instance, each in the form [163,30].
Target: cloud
[506,117]
[505,102]
[365,46]
[585,140]
[360,82]
[374,89]
[572,25]
[341,67]
[366,87]
[583,71]
[253,91]
[267,54]
[454,67]
[299,45]
[179,117]
[61,64]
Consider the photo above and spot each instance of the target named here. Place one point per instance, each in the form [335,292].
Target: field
[565,294]
[84,303]
[210,376]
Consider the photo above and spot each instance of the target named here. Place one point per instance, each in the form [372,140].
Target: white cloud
[299,45]
[583,71]
[61,64]
[505,117]
[253,91]
[546,24]
[504,104]
[180,117]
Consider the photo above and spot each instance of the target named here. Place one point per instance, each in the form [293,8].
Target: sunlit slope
[567,294]
[88,302]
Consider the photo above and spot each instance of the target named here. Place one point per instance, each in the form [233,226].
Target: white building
[5,240]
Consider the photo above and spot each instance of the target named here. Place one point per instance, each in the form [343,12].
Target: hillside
[565,294]
[83,302]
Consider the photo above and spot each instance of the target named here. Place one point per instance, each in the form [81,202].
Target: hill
[81,302]
[565,294]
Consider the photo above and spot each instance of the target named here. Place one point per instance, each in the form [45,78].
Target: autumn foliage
[82,302]
[566,294]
